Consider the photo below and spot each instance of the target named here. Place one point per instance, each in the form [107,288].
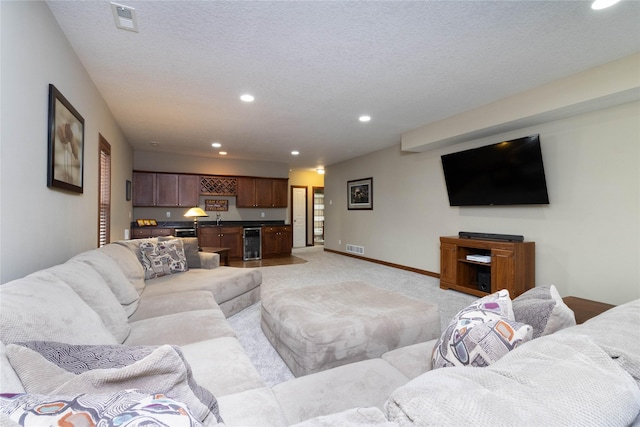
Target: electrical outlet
[261,214]
[339,242]
[168,214]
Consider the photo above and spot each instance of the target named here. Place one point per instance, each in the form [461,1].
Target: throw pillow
[57,368]
[481,333]
[128,407]
[543,309]
[191,249]
[162,258]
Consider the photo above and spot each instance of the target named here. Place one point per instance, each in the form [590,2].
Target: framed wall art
[65,161]
[360,194]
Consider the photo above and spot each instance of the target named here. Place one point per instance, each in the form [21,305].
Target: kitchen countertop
[189,224]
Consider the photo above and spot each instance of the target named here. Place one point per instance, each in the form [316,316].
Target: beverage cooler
[252,246]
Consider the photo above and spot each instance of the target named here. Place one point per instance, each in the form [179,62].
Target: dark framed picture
[360,194]
[66,144]
[127,190]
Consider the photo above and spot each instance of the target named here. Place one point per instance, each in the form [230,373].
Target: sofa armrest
[209,260]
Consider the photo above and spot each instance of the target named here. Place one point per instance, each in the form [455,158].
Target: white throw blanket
[560,379]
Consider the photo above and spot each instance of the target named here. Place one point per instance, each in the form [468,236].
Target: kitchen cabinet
[146,232]
[144,189]
[165,189]
[262,192]
[222,237]
[276,241]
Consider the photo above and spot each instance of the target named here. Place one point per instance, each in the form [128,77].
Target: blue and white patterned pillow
[481,333]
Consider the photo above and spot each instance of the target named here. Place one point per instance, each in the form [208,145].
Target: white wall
[39,226]
[587,239]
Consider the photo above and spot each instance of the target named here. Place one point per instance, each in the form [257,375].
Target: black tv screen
[506,173]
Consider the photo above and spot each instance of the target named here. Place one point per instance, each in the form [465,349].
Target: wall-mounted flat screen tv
[506,173]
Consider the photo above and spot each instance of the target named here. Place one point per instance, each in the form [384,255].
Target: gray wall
[40,227]
[587,239]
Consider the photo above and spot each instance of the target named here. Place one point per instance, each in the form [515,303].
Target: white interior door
[299,217]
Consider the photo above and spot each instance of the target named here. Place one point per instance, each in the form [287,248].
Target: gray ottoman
[319,327]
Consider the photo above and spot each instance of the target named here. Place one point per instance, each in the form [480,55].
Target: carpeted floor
[324,268]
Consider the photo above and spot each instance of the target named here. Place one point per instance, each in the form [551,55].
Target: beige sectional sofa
[101,297]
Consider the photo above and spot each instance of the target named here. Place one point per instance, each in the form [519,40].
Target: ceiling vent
[125,17]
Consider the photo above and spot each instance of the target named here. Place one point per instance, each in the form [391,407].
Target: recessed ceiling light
[295,153]
[320,171]
[223,153]
[216,145]
[247,98]
[603,4]
[364,118]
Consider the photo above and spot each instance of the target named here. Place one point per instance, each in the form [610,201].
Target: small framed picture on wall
[360,194]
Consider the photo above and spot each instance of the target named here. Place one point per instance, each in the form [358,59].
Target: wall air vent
[355,249]
[125,17]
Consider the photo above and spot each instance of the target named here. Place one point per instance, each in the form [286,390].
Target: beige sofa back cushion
[91,287]
[128,262]
[111,272]
[43,308]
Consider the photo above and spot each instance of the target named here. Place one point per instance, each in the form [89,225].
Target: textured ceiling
[314,67]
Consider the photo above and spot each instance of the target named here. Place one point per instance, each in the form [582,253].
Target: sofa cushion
[542,308]
[557,379]
[162,258]
[43,307]
[617,333]
[481,333]
[222,366]
[111,272]
[360,384]
[225,283]
[255,407]
[57,368]
[91,287]
[180,328]
[95,409]
[356,417]
[412,360]
[180,302]
[128,262]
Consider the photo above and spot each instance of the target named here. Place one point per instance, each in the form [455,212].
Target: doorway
[318,215]
[299,215]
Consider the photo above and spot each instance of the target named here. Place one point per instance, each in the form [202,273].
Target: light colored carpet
[324,268]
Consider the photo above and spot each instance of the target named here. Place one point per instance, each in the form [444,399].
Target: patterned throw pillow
[481,333]
[162,258]
[53,368]
[126,407]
